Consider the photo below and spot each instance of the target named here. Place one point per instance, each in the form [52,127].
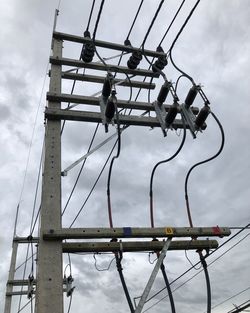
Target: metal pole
[49,294]
[9,289]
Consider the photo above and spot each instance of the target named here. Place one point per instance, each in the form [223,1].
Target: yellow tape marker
[169,231]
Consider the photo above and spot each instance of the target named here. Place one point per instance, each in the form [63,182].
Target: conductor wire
[90,15]
[176,38]
[159,163]
[112,162]
[200,163]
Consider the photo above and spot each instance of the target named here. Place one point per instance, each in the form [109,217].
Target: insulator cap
[191,96]
[202,116]
[127,42]
[110,109]
[163,93]
[170,117]
[88,52]
[87,34]
[134,60]
[159,64]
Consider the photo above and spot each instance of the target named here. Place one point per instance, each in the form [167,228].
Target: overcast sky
[214,49]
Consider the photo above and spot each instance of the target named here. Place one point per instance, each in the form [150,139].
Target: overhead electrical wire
[163,162]
[231,297]
[112,162]
[152,23]
[94,185]
[160,43]
[199,262]
[200,163]
[176,38]
[152,212]
[80,171]
[192,277]
[202,259]
[90,14]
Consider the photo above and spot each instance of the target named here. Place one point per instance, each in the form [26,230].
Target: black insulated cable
[200,163]
[152,23]
[112,161]
[124,285]
[204,265]
[90,14]
[176,38]
[161,162]
[170,294]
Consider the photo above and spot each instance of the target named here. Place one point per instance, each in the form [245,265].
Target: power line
[197,263]
[94,185]
[200,163]
[90,14]
[152,22]
[135,18]
[176,38]
[233,296]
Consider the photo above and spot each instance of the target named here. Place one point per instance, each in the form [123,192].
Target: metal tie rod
[152,277]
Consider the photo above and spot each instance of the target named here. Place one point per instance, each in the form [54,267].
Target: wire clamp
[30,286]
[161,116]
[69,288]
[190,119]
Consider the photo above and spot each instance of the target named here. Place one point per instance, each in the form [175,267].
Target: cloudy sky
[214,49]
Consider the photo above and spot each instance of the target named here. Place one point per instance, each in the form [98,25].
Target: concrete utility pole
[49,274]
[49,281]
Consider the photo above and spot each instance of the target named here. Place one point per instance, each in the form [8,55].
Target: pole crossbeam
[95,101]
[95,117]
[134,232]
[100,80]
[101,67]
[137,246]
[106,44]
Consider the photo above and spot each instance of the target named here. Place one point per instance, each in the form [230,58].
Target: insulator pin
[134,60]
[191,96]
[163,93]
[170,117]
[202,116]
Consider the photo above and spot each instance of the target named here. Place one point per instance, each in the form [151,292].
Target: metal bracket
[190,118]
[161,115]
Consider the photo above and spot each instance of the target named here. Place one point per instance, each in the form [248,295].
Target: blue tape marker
[127,231]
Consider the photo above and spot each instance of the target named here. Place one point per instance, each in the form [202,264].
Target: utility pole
[49,281]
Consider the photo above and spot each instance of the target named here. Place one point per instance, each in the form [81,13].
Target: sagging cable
[162,162]
[114,107]
[203,115]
